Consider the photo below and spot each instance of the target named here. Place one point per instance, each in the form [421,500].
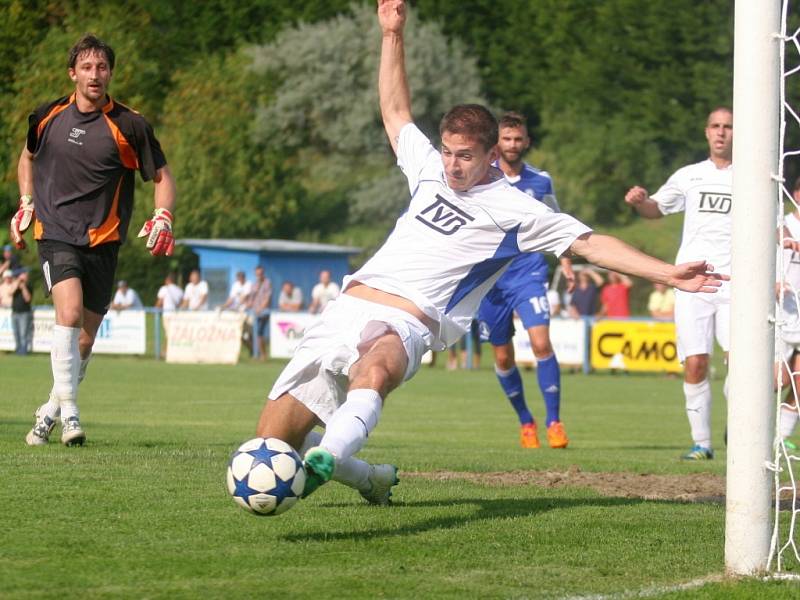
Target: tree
[324,114]
[616,91]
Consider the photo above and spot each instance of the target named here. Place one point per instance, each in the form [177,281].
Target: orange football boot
[528,436]
[556,436]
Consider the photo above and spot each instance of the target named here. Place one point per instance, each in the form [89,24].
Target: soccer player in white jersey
[703,191]
[463,226]
[790,342]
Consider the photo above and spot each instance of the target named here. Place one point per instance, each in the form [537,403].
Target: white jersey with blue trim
[448,248]
[704,193]
[531,267]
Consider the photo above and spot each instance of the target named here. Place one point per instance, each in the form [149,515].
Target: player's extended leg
[65,360]
[287,419]
[697,390]
[548,373]
[508,375]
[380,368]
[373,482]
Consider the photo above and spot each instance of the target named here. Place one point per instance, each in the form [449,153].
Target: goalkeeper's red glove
[158,230]
[21,220]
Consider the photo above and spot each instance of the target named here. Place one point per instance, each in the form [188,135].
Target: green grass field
[142,511]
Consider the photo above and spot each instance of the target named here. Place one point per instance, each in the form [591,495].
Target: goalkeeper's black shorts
[95,266]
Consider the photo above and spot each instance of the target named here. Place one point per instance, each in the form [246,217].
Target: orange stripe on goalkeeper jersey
[38,229]
[126,152]
[109,229]
[53,112]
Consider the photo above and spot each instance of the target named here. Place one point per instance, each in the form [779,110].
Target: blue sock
[549,375]
[511,382]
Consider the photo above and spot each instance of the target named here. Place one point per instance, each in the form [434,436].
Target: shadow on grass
[488,509]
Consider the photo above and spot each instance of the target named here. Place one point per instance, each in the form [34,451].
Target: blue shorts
[496,312]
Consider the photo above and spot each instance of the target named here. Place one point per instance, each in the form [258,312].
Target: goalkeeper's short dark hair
[90,43]
[796,185]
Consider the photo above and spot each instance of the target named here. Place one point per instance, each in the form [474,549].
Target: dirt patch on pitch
[695,487]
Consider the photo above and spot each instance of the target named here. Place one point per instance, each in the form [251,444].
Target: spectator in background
[325,291]
[21,315]
[125,297]
[7,287]
[239,296]
[169,295]
[291,298]
[615,296]
[661,302]
[260,302]
[195,296]
[10,260]
[583,302]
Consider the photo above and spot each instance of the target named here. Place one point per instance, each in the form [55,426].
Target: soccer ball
[266,476]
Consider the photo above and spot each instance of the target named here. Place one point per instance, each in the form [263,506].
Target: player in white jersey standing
[703,191]
[463,226]
[789,344]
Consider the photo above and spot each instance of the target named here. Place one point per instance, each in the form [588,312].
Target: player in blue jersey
[523,289]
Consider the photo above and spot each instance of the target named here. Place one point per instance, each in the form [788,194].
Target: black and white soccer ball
[266,476]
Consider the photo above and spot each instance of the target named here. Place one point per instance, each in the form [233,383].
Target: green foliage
[324,113]
[617,91]
[229,185]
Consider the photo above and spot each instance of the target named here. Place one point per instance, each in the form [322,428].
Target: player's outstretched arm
[646,207]
[158,229]
[612,253]
[395,98]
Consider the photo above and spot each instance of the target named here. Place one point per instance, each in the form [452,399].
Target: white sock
[351,424]
[698,409]
[788,421]
[65,359]
[82,369]
[352,472]
[51,408]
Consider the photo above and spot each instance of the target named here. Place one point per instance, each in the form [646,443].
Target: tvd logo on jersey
[715,202]
[444,217]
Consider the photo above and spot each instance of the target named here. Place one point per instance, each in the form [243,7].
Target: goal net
[784,557]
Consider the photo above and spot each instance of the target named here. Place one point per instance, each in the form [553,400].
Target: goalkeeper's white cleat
[381,480]
[71,433]
[42,428]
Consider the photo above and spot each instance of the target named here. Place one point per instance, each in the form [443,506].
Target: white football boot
[71,432]
[381,480]
[42,428]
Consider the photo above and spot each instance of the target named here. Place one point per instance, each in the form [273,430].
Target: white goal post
[751,412]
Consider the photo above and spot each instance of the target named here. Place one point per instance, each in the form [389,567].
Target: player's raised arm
[395,99]
[612,253]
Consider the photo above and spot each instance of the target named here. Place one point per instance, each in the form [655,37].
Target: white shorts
[699,318]
[787,338]
[317,375]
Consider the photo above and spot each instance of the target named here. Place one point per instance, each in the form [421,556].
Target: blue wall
[302,268]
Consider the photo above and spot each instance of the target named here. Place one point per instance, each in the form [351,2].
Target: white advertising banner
[286,330]
[568,337]
[121,332]
[204,336]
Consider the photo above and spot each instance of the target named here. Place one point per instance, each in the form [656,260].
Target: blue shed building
[298,262]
